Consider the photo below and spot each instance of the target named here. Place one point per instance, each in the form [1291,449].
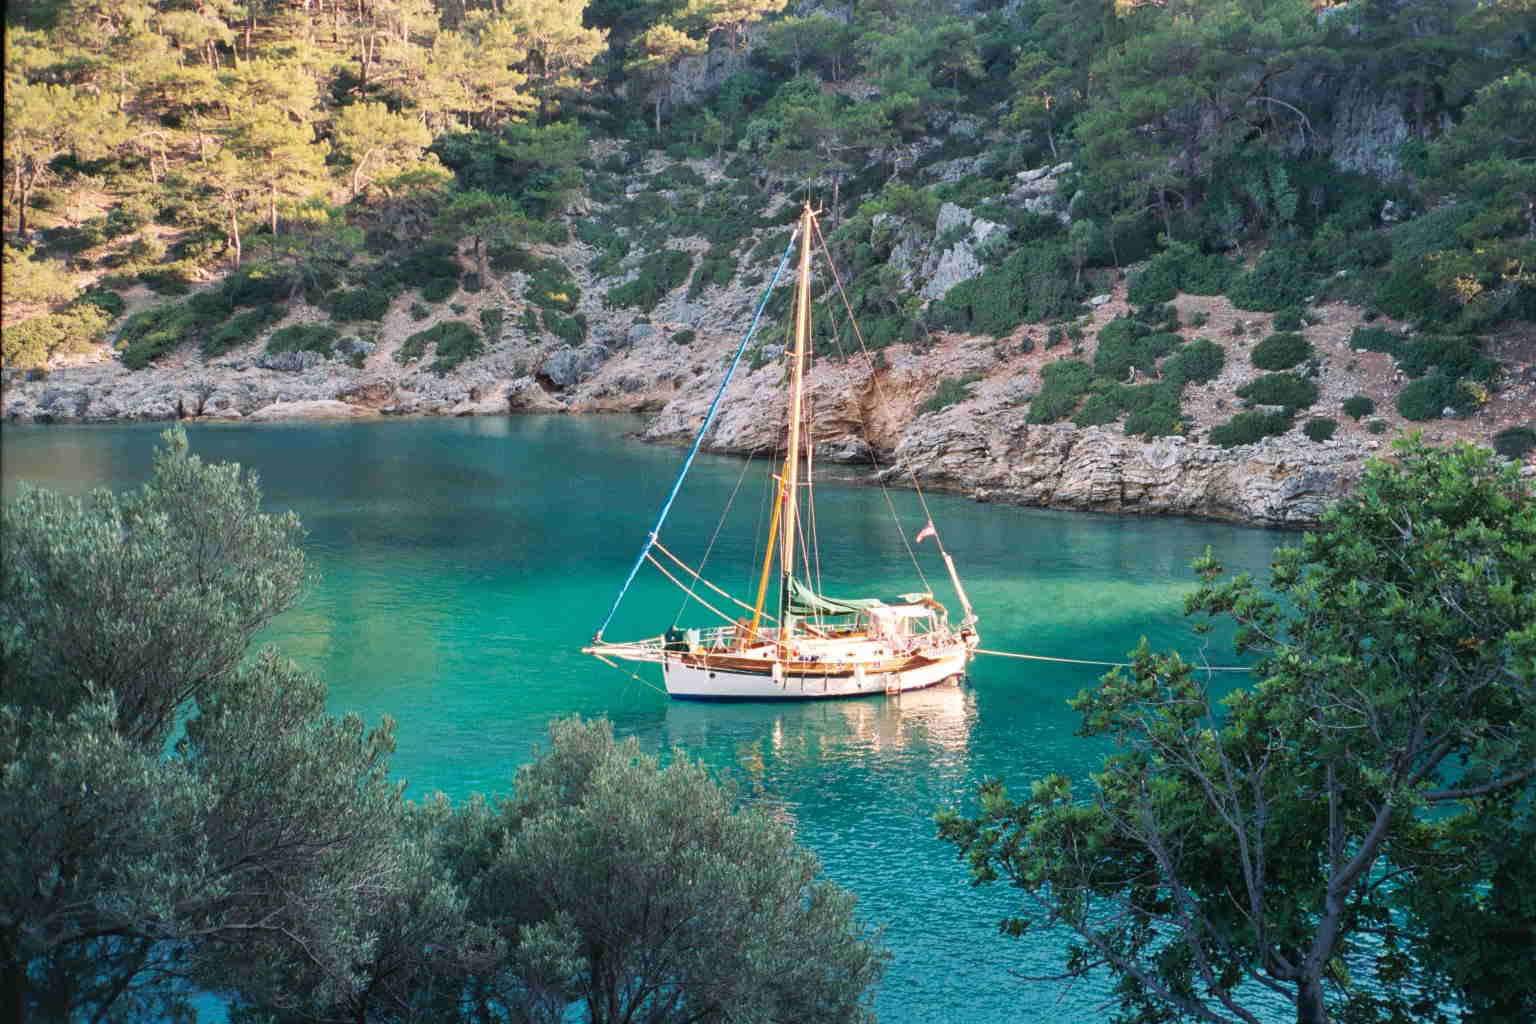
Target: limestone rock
[958,262]
[1003,458]
[568,367]
[1369,130]
[310,410]
[525,395]
[946,171]
[1036,190]
[290,362]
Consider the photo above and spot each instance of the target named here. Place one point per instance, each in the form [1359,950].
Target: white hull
[690,682]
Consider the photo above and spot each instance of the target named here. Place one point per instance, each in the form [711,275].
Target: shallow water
[461,564]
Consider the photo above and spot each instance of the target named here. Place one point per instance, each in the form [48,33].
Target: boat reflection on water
[937,720]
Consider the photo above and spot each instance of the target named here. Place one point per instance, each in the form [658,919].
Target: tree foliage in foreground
[177,817]
[129,872]
[1348,834]
[646,894]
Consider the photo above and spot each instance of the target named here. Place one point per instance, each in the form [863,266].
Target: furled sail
[805,601]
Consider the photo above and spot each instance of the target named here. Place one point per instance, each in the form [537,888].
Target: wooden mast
[788,534]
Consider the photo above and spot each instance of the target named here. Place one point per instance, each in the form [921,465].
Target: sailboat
[805,645]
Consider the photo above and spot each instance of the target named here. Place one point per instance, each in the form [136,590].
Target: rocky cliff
[669,359]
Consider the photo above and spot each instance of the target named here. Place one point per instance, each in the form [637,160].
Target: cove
[460,565]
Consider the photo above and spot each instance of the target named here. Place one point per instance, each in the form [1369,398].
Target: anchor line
[1104,664]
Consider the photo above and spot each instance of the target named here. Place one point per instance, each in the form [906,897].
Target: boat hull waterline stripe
[709,419]
[691,682]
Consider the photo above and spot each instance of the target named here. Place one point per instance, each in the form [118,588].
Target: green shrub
[1428,397]
[471,283]
[439,289]
[1288,319]
[1034,283]
[551,286]
[31,343]
[319,338]
[1320,429]
[1515,442]
[1117,336]
[1378,339]
[1051,407]
[360,304]
[419,311]
[1206,275]
[1358,407]
[531,323]
[505,258]
[659,274]
[167,280]
[1158,420]
[1281,352]
[1456,357]
[1416,238]
[1199,361]
[1408,294]
[717,268]
[1154,410]
[29,278]
[241,330]
[676,177]
[1062,385]
[1248,427]
[491,318]
[1158,315]
[949,391]
[151,333]
[1157,282]
[1179,268]
[683,337]
[109,302]
[257,286]
[209,308]
[570,329]
[418,263]
[456,341]
[1283,389]
[1126,343]
[1278,280]
[1101,408]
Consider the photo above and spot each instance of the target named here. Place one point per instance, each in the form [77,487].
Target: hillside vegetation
[282,177]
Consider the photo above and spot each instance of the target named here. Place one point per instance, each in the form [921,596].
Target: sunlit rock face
[1098,469]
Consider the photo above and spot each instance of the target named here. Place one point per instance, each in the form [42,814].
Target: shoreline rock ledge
[988,453]
[1275,482]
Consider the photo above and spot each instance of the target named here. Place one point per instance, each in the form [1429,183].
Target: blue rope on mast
[709,419]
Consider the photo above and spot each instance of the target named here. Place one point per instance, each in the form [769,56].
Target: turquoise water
[460,565]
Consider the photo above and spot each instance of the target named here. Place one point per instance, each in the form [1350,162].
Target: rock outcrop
[1002,458]
[989,452]
[107,392]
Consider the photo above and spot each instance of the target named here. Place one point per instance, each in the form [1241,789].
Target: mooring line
[1105,664]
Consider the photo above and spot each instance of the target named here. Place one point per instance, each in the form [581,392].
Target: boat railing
[733,637]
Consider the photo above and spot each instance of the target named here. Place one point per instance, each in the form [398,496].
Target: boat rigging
[812,646]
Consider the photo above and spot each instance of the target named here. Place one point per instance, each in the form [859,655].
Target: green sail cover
[805,601]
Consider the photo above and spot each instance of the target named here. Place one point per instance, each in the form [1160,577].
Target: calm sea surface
[460,564]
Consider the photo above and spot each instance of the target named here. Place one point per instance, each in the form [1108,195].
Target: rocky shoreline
[981,448]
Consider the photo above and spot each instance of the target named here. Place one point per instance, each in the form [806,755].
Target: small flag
[926,532]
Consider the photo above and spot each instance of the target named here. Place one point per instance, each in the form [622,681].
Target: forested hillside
[200,177]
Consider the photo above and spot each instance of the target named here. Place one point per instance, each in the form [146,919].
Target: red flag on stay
[926,532]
